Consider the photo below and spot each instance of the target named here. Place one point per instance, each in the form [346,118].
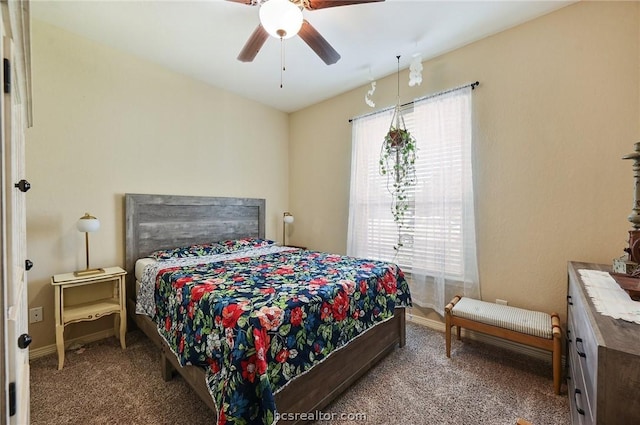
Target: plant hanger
[397,162]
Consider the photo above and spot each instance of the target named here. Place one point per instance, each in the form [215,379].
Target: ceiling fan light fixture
[281,18]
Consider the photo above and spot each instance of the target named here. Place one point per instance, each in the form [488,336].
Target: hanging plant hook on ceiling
[397,163]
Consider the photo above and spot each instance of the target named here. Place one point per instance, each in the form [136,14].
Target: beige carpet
[480,384]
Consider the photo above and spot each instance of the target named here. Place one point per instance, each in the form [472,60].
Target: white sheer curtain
[439,252]
[372,231]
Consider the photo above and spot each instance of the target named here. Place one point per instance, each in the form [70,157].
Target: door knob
[24,340]
[23,185]
[28,264]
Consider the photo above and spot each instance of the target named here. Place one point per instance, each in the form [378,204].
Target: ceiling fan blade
[247,2]
[318,43]
[253,44]
[323,4]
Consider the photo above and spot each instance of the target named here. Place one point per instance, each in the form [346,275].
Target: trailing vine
[397,162]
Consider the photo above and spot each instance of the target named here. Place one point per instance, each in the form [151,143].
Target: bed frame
[166,221]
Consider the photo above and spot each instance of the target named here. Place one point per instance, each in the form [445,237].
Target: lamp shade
[288,218]
[281,18]
[88,223]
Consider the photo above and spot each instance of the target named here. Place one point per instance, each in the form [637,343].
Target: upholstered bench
[533,328]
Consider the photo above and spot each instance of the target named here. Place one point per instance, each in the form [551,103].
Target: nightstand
[86,298]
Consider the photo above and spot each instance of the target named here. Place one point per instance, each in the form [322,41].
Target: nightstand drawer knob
[23,185]
[28,264]
[24,340]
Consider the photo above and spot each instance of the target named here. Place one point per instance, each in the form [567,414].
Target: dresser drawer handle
[575,398]
[569,335]
[569,300]
[580,353]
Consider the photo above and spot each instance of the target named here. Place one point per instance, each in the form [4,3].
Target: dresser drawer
[582,397]
[583,347]
[580,413]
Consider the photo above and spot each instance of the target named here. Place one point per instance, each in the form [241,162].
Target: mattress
[140,266]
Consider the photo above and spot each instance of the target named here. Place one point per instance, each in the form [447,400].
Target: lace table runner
[608,297]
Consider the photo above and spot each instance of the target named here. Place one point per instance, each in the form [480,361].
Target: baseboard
[85,339]
[488,339]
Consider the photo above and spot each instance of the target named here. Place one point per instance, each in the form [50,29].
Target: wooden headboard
[154,222]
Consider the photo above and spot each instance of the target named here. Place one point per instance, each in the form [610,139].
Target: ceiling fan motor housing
[281,18]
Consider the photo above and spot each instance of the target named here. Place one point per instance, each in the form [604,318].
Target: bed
[164,222]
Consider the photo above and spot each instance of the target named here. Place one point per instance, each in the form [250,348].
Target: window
[439,251]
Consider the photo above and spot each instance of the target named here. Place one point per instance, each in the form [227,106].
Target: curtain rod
[472,85]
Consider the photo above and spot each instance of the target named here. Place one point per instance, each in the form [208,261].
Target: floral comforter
[256,323]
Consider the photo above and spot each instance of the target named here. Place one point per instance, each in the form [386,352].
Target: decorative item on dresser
[628,263]
[603,357]
[75,302]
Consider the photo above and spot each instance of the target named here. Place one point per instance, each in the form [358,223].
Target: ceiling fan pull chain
[281,59]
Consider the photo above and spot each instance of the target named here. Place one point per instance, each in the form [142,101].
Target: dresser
[603,359]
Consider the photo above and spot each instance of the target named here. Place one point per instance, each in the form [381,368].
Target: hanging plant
[398,163]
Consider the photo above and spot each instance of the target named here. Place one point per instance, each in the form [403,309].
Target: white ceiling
[202,38]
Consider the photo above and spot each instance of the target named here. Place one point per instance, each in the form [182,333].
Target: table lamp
[88,223]
[287,218]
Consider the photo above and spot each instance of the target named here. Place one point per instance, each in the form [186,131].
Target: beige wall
[105,124]
[556,109]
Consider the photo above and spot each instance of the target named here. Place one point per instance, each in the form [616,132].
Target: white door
[13,225]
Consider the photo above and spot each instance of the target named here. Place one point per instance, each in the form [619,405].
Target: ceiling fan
[283,19]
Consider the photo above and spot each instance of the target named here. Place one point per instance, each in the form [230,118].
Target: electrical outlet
[35,315]
[501,302]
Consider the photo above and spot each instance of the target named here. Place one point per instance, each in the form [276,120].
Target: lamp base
[87,272]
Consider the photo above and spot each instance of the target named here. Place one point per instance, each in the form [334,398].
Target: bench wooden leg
[447,314]
[557,352]
[448,334]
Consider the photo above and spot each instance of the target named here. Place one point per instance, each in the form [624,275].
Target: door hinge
[7,75]
[12,398]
